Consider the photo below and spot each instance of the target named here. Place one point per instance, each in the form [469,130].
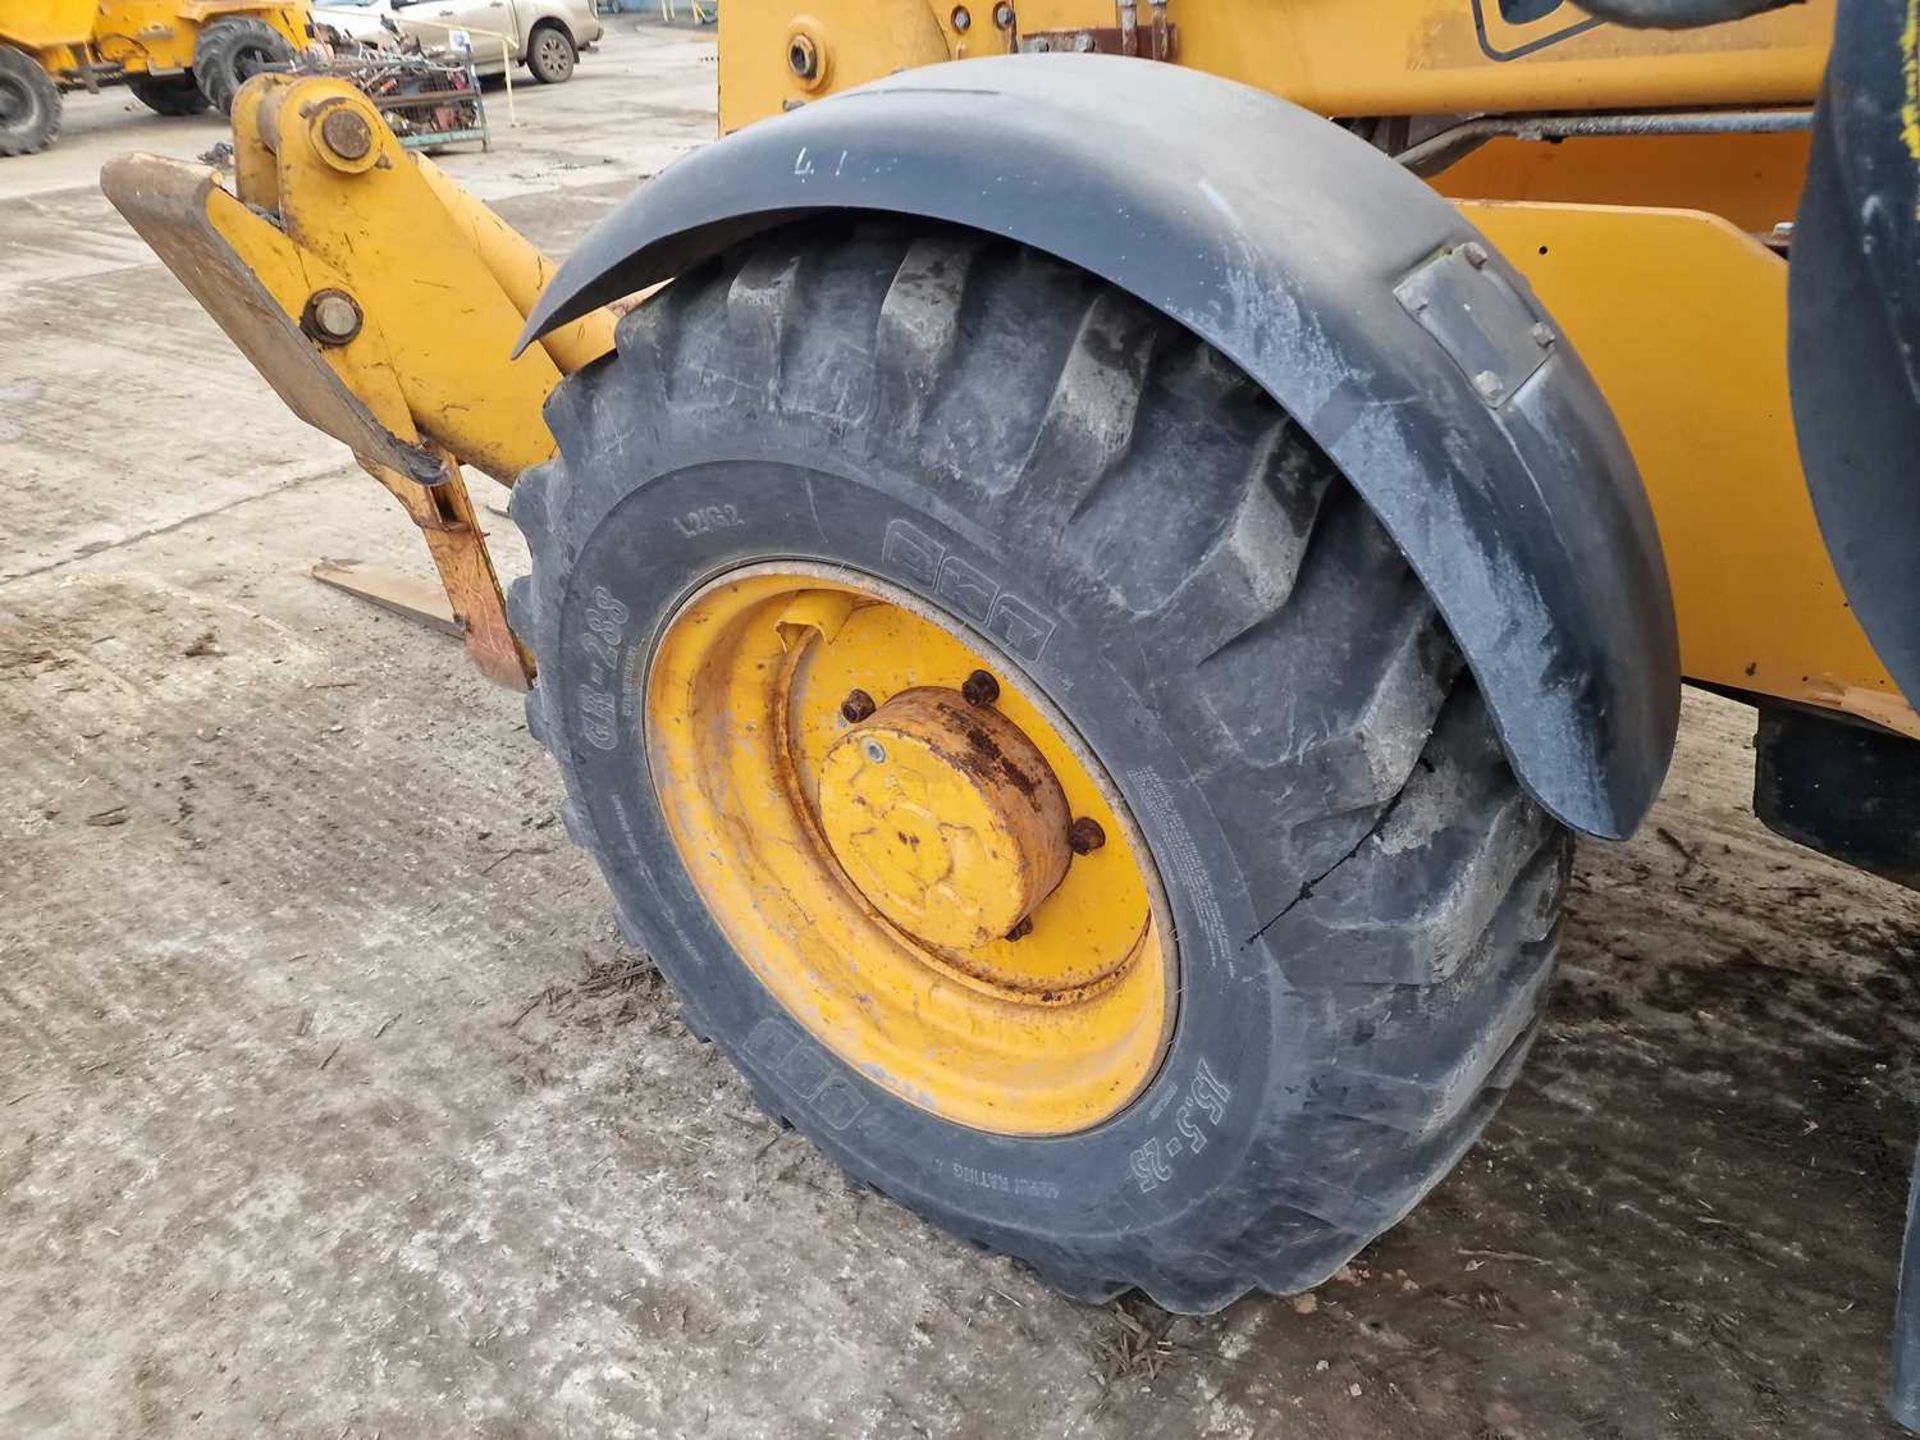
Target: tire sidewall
[216,60]
[1183,1145]
[540,73]
[21,71]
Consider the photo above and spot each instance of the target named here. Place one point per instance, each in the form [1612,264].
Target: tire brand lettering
[599,718]
[1004,1184]
[797,1062]
[912,554]
[1020,627]
[965,589]
[1184,857]
[1200,1111]
[707,519]
[611,611]
[602,640]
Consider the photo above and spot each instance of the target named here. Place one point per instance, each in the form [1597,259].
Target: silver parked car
[546,36]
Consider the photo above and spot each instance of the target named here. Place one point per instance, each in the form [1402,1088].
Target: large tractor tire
[878,561]
[170,95]
[231,52]
[29,104]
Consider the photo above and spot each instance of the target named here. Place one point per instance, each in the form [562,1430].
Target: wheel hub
[910,848]
[946,817]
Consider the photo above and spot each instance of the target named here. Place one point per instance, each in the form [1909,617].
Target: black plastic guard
[1846,789]
[1361,300]
[1853,322]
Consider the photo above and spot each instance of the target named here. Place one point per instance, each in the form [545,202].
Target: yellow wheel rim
[938,881]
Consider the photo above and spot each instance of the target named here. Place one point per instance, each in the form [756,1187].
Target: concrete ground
[332,1106]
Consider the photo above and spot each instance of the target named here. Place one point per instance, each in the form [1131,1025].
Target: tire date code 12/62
[1199,1112]
[707,519]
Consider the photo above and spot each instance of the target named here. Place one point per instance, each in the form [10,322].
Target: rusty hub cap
[946,817]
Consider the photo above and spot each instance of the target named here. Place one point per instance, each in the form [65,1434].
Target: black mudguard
[1853,326]
[1853,354]
[1362,301]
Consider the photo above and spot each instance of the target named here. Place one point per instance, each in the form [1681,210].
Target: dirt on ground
[332,1105]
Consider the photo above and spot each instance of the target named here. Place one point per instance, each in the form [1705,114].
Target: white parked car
[546,36]
[366,22]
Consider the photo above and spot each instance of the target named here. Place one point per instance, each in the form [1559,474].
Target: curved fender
[1853,333]
[1362,301]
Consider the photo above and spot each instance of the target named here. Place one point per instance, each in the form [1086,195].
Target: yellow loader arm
[382,308]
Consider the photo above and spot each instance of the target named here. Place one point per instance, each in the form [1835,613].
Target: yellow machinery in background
[1081,596]
[177,56]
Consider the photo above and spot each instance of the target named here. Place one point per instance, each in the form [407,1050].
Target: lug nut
[1085,836]
[856,707]
[980,688]
[962,21]
[1003,16]
[1022,928]
[876,752]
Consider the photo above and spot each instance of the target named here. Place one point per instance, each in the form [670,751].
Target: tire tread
[1413,884]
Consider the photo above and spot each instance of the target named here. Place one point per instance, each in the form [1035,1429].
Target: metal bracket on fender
[1362,301]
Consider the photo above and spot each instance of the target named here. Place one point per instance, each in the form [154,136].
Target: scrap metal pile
[427,101]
